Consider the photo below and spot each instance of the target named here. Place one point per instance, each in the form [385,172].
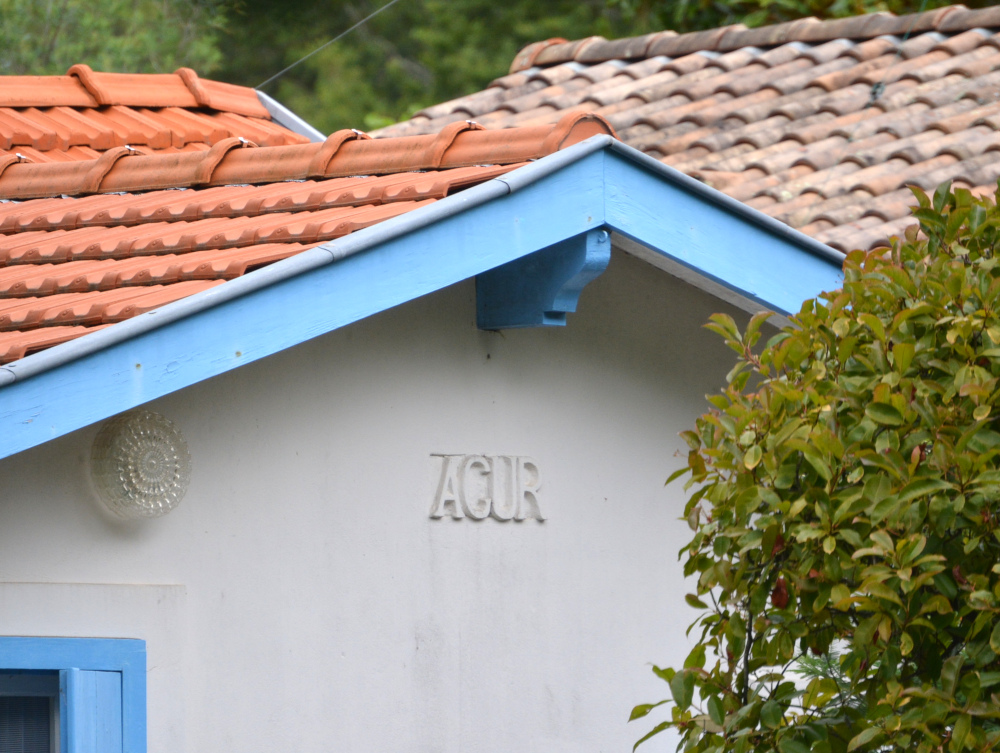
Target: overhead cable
[340,36]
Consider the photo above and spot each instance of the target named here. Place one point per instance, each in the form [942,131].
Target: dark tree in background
[48,36]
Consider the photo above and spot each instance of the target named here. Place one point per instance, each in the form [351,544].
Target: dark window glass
[24,725]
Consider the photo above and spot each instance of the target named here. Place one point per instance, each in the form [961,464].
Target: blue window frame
[101,688]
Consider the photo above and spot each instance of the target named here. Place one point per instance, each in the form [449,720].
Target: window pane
[24,725]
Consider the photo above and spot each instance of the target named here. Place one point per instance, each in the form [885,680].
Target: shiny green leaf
[652,733]
[752,457]
[682,688]
[883,413]
[771,714]
[864,737]
[791,745]
[695,602]
[642,709]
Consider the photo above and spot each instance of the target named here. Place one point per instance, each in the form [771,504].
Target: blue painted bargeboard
[740,255]
[602,190]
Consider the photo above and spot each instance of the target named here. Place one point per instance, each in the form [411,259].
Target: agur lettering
[504,487]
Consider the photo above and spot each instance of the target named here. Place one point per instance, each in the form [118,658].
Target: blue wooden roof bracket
[539,289]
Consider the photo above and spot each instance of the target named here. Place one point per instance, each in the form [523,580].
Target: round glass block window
[140,465]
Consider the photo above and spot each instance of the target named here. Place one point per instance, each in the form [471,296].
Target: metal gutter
[285,117]
[383,232]
[553,163]
[307,261]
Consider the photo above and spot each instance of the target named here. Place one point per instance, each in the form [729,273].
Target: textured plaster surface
[301,598]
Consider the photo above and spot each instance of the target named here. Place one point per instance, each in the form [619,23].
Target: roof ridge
[950,19]
[344,153]
[84,87]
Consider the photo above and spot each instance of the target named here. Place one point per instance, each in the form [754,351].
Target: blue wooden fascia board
[539,289]
[232,334]
[764,264]
[605,187]
[124,655]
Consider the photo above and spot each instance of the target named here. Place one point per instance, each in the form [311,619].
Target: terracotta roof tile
[90,309]
[813,122]
[563,51]
[688,43]
[949,20]
[963,18]
[766,36]
[180,89]
[526,57]
[343,153]
[94,111]
[18,344]
[557,74]
[85,243]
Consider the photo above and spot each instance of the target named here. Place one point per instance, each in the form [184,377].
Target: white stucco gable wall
[301,598]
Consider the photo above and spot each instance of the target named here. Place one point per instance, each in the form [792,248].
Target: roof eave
[591,185]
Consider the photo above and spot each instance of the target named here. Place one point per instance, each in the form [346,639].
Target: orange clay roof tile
[180,89]
[798,118]
[44,117]
[91,238]
[18,344]
[344,153]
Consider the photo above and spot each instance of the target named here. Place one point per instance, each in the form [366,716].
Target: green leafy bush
[846,508]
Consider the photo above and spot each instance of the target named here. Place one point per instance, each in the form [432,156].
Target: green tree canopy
[154,36]
[847,506]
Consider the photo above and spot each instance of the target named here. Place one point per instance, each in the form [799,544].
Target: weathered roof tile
[807,114]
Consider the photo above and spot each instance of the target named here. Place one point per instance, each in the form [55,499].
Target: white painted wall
[300,598]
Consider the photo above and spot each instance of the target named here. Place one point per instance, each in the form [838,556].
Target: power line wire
[340,36]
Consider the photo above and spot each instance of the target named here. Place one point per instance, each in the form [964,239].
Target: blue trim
[291,311]
[538,290]
[551,201]
[731,206]
[90,718]
[127,656]
[748,257]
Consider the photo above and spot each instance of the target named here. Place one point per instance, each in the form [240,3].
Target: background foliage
[847,512]
[417,53]
[48,36]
